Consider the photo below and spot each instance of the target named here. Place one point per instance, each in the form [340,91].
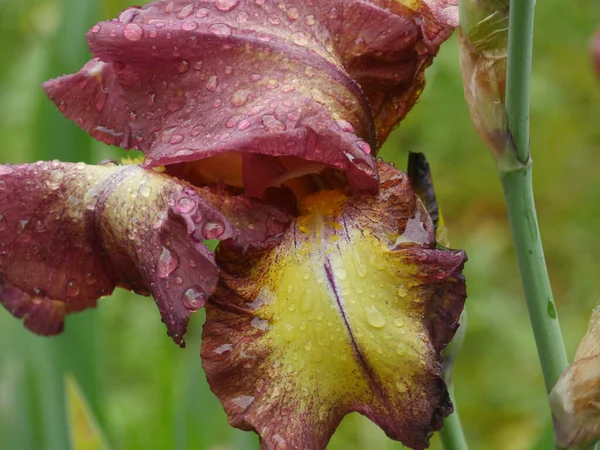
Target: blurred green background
[148,394]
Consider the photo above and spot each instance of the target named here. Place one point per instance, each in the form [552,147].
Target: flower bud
[483,42]
[574,399]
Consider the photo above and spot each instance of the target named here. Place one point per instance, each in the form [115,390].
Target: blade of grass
[18,403]
[48,384]
[58,138]
[199,405]
[84,431]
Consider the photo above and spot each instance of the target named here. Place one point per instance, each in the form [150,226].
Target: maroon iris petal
[70,233]
[324,82]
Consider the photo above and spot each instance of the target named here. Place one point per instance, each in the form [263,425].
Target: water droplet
[226,5]
[2,223]
[318,95]
[178,281]
[198,65]
[293,13]
[299,38]
[145,191]
[364,147]
[189,25]
[183,66]
[399,322]
[244,124]
[271,124]
[194,299]
[308,346]
[213,230]
[289,333]
[72,288]
[90,278]
[2,185]
[240,97]
[402,292]
[274,19]
[401,349]
[401,387]
[292,307]
[212,83]
[100,101]
[133,32]
[340,273]
[345,126]
[309,20]
[220,29]
[185,11]
[242,17]
[232,122]
[374,317]
[167,263]
[185,205]
[95,29]
[176,139]
[202,13]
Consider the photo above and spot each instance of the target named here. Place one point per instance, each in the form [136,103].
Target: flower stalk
[520,205]
[495,39]
[518,192]
[452,435]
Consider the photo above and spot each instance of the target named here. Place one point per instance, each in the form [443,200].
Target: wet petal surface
[323,81]
[70,233]
[348,313]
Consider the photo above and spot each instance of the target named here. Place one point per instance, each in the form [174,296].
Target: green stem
[518,73]
[518,193]
[452,435]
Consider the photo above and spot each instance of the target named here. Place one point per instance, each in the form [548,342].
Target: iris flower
[259,121]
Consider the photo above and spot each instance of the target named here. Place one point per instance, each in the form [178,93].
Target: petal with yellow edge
[348,313]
